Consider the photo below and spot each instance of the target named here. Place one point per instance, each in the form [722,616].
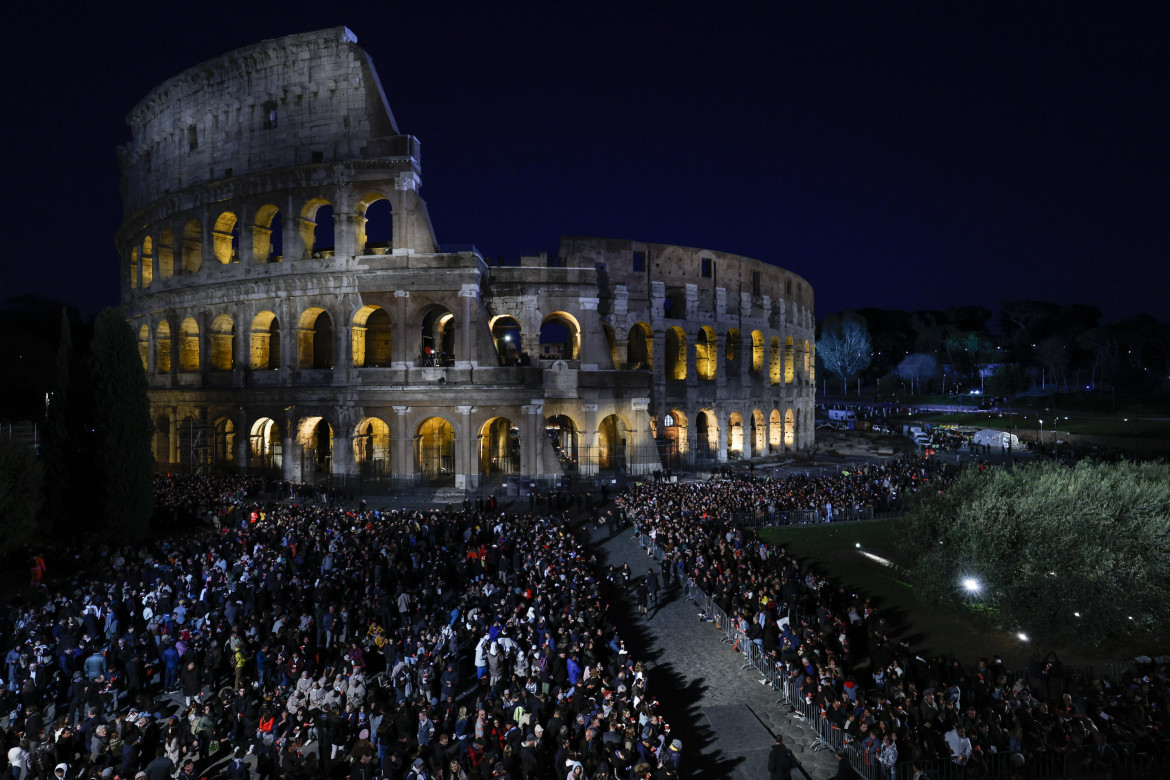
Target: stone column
[173,434]
[466,473]
[641,452]
[465,355]
[243,440]
[402,458]
[342,461]
[588,441]
[530,445]
[290,449]
[404,336]
[594,353]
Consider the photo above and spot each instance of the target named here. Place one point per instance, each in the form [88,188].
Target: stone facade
[278,334]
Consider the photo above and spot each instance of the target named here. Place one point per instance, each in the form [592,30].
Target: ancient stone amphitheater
[295,313]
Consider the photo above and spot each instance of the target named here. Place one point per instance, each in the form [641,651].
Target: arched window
[674,435]
[315,339]
[810,356]
[162,348]
[508,339]
[225,238]
[133,268]
[612,443]
[265,342]
[734,353]
[147,262]
[268,235]
[757,351]
[789,361]
[434,448]
[562,432]
[189,345]
[192,247]
[759,434]
[807,362]
[375,225]
[676,353]
[774,360]
[224,450]
[265,446]
[371,447]
[437,345]
[166,254]
[706,354]
[317,228]
[499,447]
[316,439]
[706,434]
[735,435]
[775,431]
[370,338]
[223,343]
[789,429]
[640,348]
[560,337]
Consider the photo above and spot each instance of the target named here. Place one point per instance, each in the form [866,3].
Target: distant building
[281,331]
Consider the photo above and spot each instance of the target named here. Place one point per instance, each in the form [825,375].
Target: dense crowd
[309,641]
[846,659]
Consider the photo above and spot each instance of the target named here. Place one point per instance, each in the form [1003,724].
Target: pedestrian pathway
[727,717]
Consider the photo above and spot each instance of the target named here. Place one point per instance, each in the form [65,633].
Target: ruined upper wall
[302,99]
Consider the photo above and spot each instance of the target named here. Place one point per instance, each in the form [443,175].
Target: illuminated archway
[438,337]
[789,430]
[733,353]
[192,247]
[757,351]
[560,336]
[224,448]
[317,227]
[264,342]
[147,261]
[133,268]
[735,434]
[370,338]
[374,224]
[563,433]
[789,361]
[499,447]
[315,436]
[774,362]
[706,353]
[189,345]
[162,348]
[434,448]
[807,362]
[612,443]
[223,343]
[676,353]
[775,431]
[268,235]
[371,447]
[315,339]
[640,347]
[508,339]
[674,438]
[759,434]
[265,448]
[225,238]
[707,433]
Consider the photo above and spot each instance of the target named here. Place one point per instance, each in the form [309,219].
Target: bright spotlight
[972,585]
[858,545]
[1022,636]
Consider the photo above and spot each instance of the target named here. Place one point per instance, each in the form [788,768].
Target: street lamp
[1041,435]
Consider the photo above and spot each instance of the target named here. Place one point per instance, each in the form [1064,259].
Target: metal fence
[1123,762]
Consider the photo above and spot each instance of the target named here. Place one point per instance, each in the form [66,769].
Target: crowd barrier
[1125,762]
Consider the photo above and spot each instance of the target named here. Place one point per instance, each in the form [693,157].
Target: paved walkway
[722,713]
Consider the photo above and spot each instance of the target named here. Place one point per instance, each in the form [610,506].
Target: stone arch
[775,431]
[191,449]
[434,448]
[758,437]
[225,238]
[789,429]
[706,353]
[223,450]
[757,351]
[508,338]
[789,361]
[565,437]
[144,346]
[370,338]
[268,235]
[437,337]
[613,441]
[371,447]
[315,339]
[733,352]
[133,268]
[162,348]
[560,336]
[147,262]
[707,433]
[166,254]
[188,345]
[735,435]
[674,438]
[223,343]
[499,447]
[610,342]
[265,445]
[162,439]
[807,362]
[264,342]
[315,436]
[317,227]
[676,353]
[374,224]
[774,361]
[640,347]
[192,247]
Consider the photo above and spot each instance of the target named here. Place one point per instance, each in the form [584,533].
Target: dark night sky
[896,155]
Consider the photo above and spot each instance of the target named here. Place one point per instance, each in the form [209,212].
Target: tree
[916,368]
[1062,553]
[122,430]
[844,349]
[20,494]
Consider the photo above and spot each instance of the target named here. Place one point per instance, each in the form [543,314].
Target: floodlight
[972,585]
[1022,636]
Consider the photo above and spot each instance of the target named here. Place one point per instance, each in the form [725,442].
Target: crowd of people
[846,661]
[301,640]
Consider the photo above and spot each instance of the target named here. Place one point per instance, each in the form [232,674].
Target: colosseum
[295,313]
